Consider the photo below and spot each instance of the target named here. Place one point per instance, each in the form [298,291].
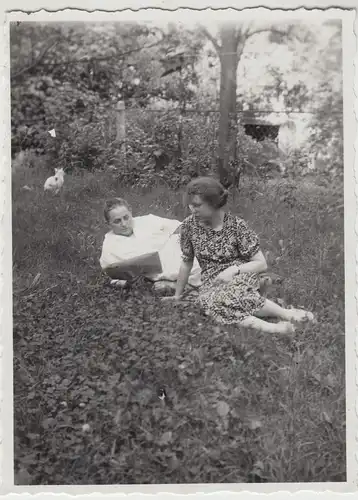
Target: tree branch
[211,38]
[37,61]
[248,28]
[83,61]
[241,49]
[154,44]
[268,30]
[240,34]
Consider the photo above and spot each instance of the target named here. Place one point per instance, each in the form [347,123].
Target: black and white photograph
[179,258]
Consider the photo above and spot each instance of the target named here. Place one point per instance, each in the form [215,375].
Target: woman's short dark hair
[209,189]
[113,203]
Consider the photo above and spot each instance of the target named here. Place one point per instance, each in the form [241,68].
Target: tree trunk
[228,120]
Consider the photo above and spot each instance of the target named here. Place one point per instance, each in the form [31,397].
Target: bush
[166,147]
[161,146]
[258,158]
[297,163]
[326,141]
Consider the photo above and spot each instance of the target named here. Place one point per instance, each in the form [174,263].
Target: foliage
[62,74]
[327,124]
[175,147]
[291,96]
[327,133]
[260,158]
[305,75]
[166,140]
[298,163]
[239,407]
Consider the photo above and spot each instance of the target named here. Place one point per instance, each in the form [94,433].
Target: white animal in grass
[55,182]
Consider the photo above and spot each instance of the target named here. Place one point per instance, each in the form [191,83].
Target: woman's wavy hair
[209,189]
[113,203]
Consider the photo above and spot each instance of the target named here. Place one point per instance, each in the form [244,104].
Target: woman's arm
[257,264]
[183,277]
[249,249]
[188,256]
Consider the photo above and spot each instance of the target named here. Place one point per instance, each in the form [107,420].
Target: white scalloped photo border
[97,9]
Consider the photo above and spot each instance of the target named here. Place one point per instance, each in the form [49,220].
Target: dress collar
[209,228]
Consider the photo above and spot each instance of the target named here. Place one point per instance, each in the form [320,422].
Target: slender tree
[230,46]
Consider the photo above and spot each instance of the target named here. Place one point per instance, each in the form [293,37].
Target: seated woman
[230,258]
[130,238]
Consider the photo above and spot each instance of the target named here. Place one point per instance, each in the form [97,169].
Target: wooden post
[121,126]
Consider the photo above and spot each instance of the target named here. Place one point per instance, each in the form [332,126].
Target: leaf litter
[99,381]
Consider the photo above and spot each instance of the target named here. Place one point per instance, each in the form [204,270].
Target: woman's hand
[227,275]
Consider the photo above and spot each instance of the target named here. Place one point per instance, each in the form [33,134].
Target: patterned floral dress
[234,244]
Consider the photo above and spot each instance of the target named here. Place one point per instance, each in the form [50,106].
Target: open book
[147,264]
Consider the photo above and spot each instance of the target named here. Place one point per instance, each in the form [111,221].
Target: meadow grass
[241,406]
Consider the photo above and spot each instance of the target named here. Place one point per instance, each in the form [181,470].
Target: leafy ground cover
[91,363]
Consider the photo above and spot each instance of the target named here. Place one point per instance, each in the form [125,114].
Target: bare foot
[299,315]
[284,327]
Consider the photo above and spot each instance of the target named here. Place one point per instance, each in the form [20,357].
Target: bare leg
[270,309]
[283,327]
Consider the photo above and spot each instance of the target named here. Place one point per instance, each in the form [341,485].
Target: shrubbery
[160,145]
[78,101]
[166,145]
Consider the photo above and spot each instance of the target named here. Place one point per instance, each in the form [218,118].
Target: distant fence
[185,135]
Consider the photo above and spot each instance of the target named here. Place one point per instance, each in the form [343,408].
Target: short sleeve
[248,241]
[185,242]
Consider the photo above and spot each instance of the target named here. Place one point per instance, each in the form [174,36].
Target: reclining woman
[147,245]
[231,261]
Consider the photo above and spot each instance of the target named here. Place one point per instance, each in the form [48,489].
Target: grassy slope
[240,405]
